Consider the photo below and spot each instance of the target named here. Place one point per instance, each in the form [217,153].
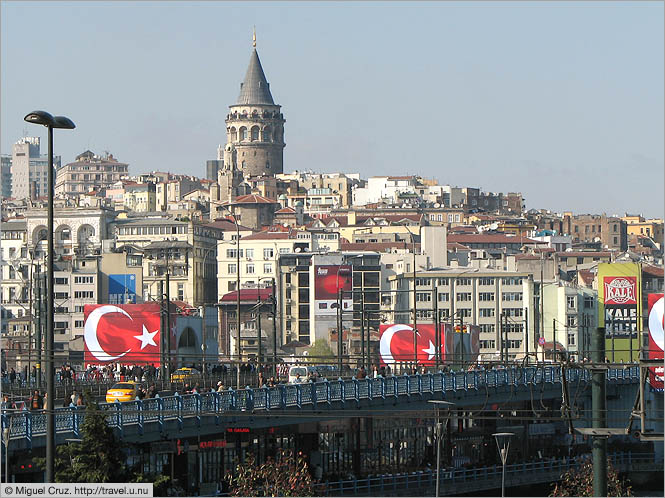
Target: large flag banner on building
[128,334]
[396,343]
[327,280]
[619,309]
[656,305]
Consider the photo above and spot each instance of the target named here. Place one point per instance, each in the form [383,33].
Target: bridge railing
[28,424]
[378,485]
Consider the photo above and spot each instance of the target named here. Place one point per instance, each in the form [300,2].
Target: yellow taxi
[123,391]
[185,375]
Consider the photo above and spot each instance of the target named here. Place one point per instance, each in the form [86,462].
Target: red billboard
[620,290]
[328,279]
[656,305]
[128,334]
[396,344]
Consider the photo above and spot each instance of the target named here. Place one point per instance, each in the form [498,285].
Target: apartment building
[89,172]
[139,197]
[471,296]
[610,231]
[29,169]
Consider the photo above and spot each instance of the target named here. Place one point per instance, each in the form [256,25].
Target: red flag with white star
[128,334]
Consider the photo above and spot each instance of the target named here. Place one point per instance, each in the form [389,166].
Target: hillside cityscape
[253,288]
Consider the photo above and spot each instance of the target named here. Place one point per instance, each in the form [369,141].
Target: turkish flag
[396,343]
[129,333]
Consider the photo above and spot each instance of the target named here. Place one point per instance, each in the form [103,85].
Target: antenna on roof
[254,37]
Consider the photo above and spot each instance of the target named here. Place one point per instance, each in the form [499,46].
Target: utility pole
[598,413]
[32,321]
[38,365]
[362,331]
[461,341]
[526,332]
[339,328]
[501,336]
[258,326]
[437,328]
[168,318]
[415,312]
[556,354]
[162,339]
[274,330]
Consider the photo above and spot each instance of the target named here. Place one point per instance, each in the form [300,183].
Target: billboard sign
[619,309]
[327,280]
[396,343]
[127,334]
[122,289]
[656,339]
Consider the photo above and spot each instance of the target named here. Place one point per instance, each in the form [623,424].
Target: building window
[181,292]
[463,296]
[486,327]
[464,312]
[268,253]
[249,253]
[267,268]
[485,281]
[513,312]
[571,302]
[79,324]
[423,297]
[62,281]
[511,281]
[588,302]
[486,296]
[486,312]
[249,269]
[444,297]
[571,339]
[83,295]
[511,296]
[232,268]
[463,281]
[442,281]
[571,320]
[423,282]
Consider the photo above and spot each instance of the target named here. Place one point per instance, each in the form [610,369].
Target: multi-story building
[140,197]
[5,176]
[610,231]
[638,225]
[183,249]
[89,172]
[29,169]
[487,298]
[570,317]
[15,271]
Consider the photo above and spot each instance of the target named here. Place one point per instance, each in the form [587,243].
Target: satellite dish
[437,205]
[298,249]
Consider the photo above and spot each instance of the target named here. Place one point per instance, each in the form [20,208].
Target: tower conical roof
[255,89]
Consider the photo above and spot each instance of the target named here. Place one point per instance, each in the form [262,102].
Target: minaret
[255,125]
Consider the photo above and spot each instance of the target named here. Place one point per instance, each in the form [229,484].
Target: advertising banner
[122,289]
[128,334]
[619,309]
[327,280]
[656,305]
[396,343]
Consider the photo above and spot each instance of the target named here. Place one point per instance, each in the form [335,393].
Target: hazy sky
[562,101]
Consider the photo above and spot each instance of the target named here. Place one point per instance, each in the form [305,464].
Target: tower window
[255,133]
[267,164]
[234,134]
[242,165]
[243,133]
[266,135]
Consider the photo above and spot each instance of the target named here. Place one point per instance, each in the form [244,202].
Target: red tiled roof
[247,295]
[582,254]
[481,238]
[225,224]
[286,210]
[463,229]
[653,271]
[253,199]
[457,247]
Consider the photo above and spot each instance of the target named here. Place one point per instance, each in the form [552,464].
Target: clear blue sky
[562,101]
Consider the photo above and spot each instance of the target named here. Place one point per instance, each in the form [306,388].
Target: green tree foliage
[287,475]
[579,482]
[320,352]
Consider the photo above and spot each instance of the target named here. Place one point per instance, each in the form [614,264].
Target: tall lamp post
[503,445]
[446,405]
[51,122]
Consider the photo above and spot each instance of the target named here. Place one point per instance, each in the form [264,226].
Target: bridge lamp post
[503,445]
[51,122]
[446,405]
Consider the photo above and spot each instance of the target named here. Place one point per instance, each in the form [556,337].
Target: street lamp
[415,312]
[447,405]
[503,445]
[51,122]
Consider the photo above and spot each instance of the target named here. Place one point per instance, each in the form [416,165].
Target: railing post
[395,387]
[160,414]
[139,409]
[118,408]
[408,385]
[299,395]
[342,393]
[370,388]
[454,376]
[179,403]
[282,396]
[249,399]
[327,384]
[383,389]
[313,396]
[420,384]
[197,400]
[356,391]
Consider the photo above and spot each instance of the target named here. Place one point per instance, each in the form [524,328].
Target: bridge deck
[134,419]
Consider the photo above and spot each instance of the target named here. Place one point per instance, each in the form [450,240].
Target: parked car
[296,370]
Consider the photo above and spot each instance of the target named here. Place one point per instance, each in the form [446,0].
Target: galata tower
[255,125]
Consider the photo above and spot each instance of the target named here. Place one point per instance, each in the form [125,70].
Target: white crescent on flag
[386,339]
[656,322]
[90,332]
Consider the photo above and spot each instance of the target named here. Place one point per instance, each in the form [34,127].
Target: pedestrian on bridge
[36,401]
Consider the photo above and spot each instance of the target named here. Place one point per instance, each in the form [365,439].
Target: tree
[319,352]
[285,476]
[579,482]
